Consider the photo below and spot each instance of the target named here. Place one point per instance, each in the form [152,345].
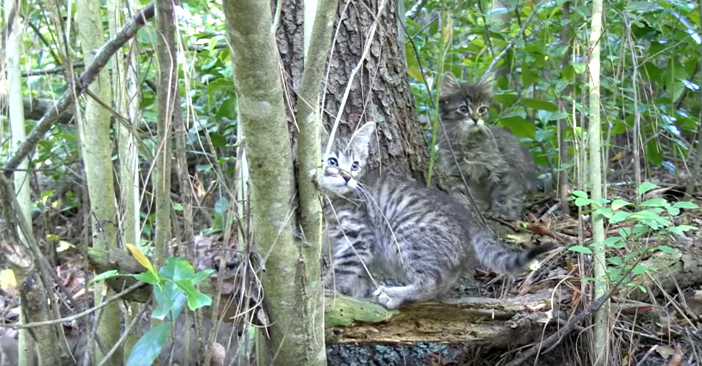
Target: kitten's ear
[488,82]
[360,141]
[449,85]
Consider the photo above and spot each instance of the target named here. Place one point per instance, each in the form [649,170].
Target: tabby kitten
[499,171]
[378,225]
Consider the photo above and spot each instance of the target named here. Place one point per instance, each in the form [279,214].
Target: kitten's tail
[500,259]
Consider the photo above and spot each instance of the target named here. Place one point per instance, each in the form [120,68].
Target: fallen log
[474,320]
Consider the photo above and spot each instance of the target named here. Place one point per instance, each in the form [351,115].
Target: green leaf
[646,186]
[605,211]
[568,73]
[614,242]
[148,348]
[196,299]
[619,216]
[639,269]
[104,275]
[202,275]
[654,202]
[617,261]
[579,67]
[654,153]
[148,277]
[681,229]
[580,249]
[519,126]
[666,249]
[617,204]
[644,6]
[506,99]
[542,105]
[673,211]
[685,204]
[580,202]
[578,193]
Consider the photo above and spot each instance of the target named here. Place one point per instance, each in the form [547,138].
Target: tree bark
[96,147]
[379,93]
[294,339]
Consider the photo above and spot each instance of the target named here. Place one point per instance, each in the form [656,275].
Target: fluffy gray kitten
[499,171]
[384,226]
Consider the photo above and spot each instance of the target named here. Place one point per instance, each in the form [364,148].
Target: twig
[76,316]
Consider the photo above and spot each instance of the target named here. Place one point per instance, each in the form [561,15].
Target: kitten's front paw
[383,299]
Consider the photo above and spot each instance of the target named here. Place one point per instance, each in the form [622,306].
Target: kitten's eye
[355,166]
[463,109]
[482,110]
[332,162]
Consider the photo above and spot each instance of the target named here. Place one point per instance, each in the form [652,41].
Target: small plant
[174,285]
[652,217]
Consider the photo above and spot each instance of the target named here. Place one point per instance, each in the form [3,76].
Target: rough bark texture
[379,93]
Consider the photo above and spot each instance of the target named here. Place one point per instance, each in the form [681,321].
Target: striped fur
[381,227]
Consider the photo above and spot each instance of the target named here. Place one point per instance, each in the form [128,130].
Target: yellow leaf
[140,257]
[7,279]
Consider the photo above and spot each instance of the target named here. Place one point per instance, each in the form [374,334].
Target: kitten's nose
[344,174]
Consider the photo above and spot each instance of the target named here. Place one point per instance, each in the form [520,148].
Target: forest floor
[656,322]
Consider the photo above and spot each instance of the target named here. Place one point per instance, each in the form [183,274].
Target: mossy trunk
[291,294]
[96,147]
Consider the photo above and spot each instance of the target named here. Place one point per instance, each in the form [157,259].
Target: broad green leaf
[605,211]
[685,204]
[196,299]
[568,73]
[540,105]
[654,202]
[416,73]
[579,193]
[681,229]
[148,348]
[654,153]
[103,276]
[646,186]
[639,269]
[519,126]
[644,6]
[580,249]
[666,249]
[617,261]
[148,277]
[177,268]
[579,67]
[580,202]
[673,211]
[202,275]
[506,99]
[614,242]
[619,216]
[617,204]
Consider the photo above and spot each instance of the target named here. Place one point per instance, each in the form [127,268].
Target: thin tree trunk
[262,117]
[94,130]
[563,186]
[16,117]
[600,344]
[127,101]
[168,77]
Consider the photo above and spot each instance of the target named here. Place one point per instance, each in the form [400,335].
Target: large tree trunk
[380,91]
